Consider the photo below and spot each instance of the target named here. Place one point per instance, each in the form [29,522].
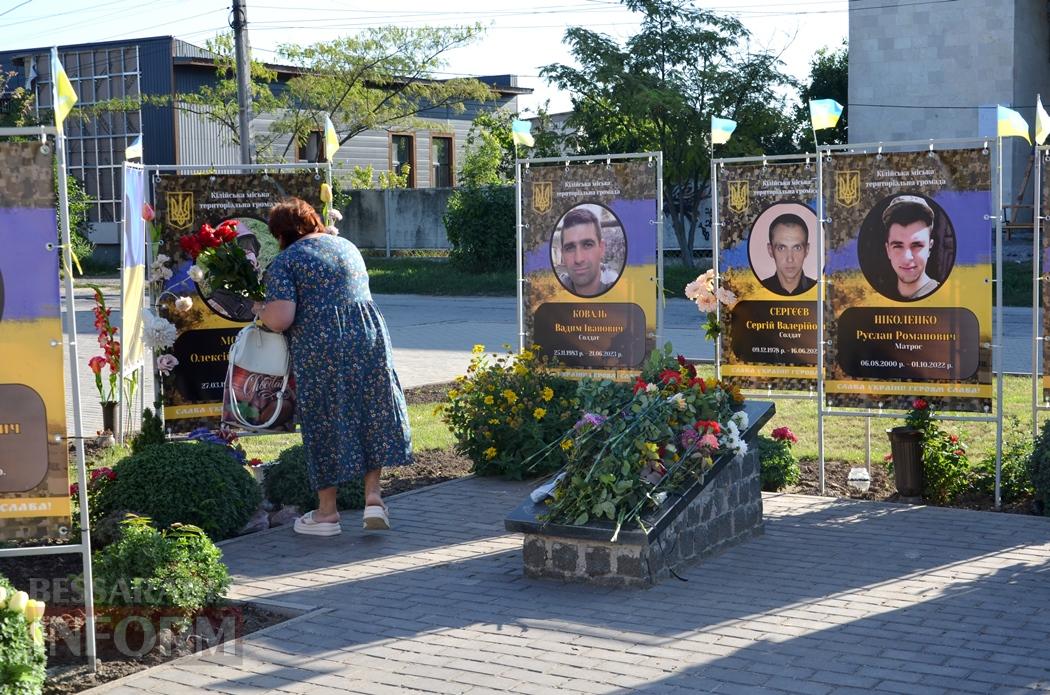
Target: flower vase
[109,416]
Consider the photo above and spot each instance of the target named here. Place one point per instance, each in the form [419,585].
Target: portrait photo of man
[906,248]
[588,257]
[908,224]
[788,247]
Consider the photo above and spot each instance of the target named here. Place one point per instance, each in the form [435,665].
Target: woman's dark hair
[293,218]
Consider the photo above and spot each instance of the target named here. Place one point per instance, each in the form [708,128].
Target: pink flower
[165,363]
[147,212]
[920,404]
[709,441]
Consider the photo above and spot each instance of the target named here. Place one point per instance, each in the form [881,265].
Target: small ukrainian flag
[1011,124]
[824,113]
[520,133]
[64,88]
[721,130]
[331,139]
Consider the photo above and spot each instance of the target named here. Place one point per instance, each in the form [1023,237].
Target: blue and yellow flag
[1042,121]
[521,133]
[721,130]
[824,113]
[331,139]
[1011,124]
[65,96]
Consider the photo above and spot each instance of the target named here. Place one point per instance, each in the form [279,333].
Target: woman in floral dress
[350,404]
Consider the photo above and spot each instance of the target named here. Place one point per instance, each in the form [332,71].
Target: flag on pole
[824,113]
[331,139]
[1042,121]
[1011,124]
[134,150]
[66,97]
[520,133]
[721,130]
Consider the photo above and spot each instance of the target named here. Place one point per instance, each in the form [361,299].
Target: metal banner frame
[997,314]
[153,172]
[1042,156]
[655,158]
[84,546]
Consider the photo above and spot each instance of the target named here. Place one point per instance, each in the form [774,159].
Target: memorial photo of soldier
[781,249]
[588,250]
[906,248]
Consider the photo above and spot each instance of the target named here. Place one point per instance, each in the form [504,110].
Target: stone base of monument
[723,509]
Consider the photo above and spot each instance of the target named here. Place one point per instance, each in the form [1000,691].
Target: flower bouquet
[107,340]
[221,263]
[702,290]
[631,447]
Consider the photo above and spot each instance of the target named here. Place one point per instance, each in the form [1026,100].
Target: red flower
[190,245]
[953,438]
[960,452]
[784,434]
[695,381]
[671,376]
[95,363]
[208,238]
[887,457]
[255,462]
[692,371]
[227,231]
[920,404]
[682,361]
[639,384]
[711,426]
[74,490]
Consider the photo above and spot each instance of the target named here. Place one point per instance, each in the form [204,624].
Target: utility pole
[239,23]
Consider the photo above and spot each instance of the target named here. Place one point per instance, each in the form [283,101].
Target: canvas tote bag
[259,393]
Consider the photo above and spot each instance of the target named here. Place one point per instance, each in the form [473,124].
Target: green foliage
[1039,467]
[779,466]
[191,483]
[507,408]
[151,432]
[1014,482]
[944,462]
[286,483]
[16,108]
[828,79]
[377,78]
[658,90]
[79,223]
[178,568]
[480,225]
[490,152]
[22,659]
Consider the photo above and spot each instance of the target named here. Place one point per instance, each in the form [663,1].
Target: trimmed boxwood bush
[178,568]
[286,483]
[182,482]
[22,660]
[480,223]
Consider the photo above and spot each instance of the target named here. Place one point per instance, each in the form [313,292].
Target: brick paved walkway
[837,597]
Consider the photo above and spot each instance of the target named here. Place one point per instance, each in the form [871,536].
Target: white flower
[196,273]
[738,446]
[651,388]
[678,400]
[158,333]
[740,418]
[183,304]
[335,215]
[161,259]
[733,428]
[165,363]
[332,229]
[727,297]
[159,271]
[707,303]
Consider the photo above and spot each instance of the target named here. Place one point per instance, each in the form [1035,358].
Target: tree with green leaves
[828,79]
[659,89]
[490,152]
[378,78]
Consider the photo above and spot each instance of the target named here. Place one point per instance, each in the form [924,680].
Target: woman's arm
[276,315]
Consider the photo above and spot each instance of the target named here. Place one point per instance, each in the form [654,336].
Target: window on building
[312,148]
[441,160]
[402,155]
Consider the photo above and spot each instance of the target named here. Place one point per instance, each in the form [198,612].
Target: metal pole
[518,254]
[74,376]
[820,316]
[997,352]
[1037,217]
[239,23]
[660,249]
[715,244]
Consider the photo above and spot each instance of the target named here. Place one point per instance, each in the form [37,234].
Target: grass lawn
[434,276]
[428,432]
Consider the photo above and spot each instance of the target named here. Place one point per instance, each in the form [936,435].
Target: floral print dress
[350,404]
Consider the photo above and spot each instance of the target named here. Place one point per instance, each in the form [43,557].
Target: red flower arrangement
[784,434]
[107,340]
[221,263]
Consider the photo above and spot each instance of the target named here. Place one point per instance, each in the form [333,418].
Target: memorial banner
[193,370]
[909,271]
[132,269]
[34,462]
[767,241]
[1044,210]
[589,260]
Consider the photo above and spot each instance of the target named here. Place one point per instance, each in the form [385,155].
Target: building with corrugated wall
[164,66]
